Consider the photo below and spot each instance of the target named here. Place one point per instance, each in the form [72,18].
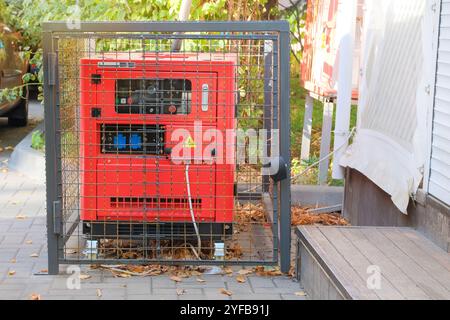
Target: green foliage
[27,16]
[3,11]
[38,140]
[301,176]
[10,94]
[296,16]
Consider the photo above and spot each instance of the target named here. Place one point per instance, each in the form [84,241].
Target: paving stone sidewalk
[23,254]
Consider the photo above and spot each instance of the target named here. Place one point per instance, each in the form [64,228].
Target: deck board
[334,260]
[426,261]
[359,262]
[407,263]
[339,267]
[412,267]
[434,251]
[395,275]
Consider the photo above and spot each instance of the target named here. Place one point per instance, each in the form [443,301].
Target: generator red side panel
[88,145]
[226,124]
[136,188]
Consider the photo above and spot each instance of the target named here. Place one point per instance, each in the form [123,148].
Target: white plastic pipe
[183,15]
[185,9]
[345,31]
[307,128]
[191,210]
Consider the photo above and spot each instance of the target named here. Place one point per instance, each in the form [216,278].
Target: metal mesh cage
[155,156]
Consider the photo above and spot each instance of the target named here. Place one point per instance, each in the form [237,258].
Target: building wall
[365,204]
[439,165]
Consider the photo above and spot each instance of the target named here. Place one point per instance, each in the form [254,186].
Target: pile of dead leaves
[247,173]
[301,216]
[234,251]
[249,213]
[178,273]
[169,249]
[127,271]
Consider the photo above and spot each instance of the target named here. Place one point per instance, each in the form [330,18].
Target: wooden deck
[338,263]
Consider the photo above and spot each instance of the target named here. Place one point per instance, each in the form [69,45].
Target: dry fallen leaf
[291,272]
[35,296]
[11,273]
[300,293]
[34,255]
[201,280]
[268,271]
[183,274]
[84,276]
[227,270]
[122,275]
[302,216]
[130,255]
[44,271]
[29,242]
[245,272]
[241,278]
[12,261]
[176,279]
[21,217]
[180,291]
[226,292]
[99,292]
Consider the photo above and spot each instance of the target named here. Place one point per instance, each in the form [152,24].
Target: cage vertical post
[51,152]
[268,56]
[285,149]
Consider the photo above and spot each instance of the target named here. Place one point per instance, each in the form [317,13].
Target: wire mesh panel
[161,156]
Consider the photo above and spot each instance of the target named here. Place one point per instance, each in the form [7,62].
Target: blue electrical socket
[120,141]
[136,141]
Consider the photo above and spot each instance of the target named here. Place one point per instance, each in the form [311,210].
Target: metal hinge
[51,62]
[57,223]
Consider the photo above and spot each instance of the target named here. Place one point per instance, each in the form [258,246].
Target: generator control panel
[153,96]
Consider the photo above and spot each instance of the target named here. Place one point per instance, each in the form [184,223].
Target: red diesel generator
[132,184]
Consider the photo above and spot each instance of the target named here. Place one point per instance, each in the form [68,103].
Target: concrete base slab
[320,196]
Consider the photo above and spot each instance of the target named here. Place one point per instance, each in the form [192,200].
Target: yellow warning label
[189,143]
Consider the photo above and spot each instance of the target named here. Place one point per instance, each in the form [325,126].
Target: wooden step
[346,262]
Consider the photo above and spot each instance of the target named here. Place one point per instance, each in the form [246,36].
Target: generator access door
[139,178]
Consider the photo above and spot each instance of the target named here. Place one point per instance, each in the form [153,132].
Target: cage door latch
[57,223]
[277,169]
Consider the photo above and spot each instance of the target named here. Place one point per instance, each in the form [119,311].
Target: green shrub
[38,140]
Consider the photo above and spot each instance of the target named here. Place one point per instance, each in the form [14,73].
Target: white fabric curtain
[390,146]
